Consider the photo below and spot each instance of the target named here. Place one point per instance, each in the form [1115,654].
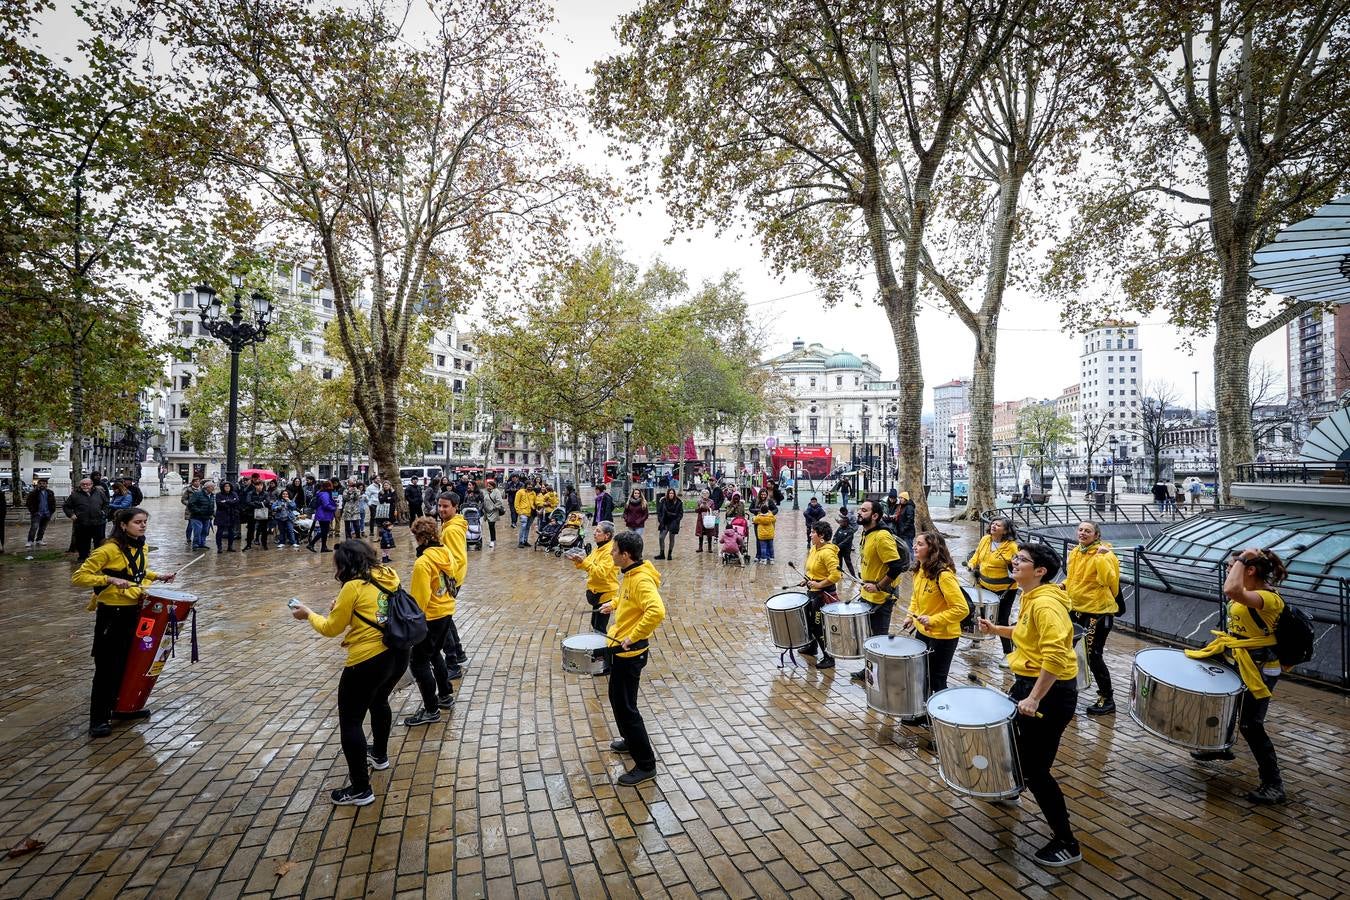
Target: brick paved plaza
[770,783]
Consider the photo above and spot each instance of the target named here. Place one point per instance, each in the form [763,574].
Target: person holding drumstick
[1254,609]
[116,572]
[455,539]
[989,566]
[936,606]
[881,569]
[1093,581]
[822,574]
[602,577]
[431,576]
[1045,688]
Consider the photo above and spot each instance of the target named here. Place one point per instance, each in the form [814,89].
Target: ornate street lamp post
[796,469]
[1114,441]
[627,458]
[236,334]
[867,456]
[951,468]
[890,448]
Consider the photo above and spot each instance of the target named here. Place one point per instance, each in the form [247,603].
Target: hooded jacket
[1093,579]
[1043,637]
[429,587]
[455,540]
[639,609]
[941,600]
[602,576]
[362,641]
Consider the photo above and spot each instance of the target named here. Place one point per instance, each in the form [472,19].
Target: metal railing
[1029,515]
[1295,473]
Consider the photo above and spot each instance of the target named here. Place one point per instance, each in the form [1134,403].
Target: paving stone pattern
[771,783]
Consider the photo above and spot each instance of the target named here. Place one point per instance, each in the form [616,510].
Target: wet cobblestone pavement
[772,783]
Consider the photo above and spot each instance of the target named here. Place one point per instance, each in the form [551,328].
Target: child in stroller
[734,542]
[572,534]
[549,529]
[473,519]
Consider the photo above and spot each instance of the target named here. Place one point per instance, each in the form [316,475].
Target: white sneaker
[29,545]
[492,545]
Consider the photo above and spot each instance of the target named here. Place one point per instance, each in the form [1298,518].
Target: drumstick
[188,566]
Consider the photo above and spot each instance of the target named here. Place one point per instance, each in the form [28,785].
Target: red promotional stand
[162,612]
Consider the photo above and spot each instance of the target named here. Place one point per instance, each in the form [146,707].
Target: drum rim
[861,608]
[170,594]
[1172,654]
[805,600]
[922,648]
[1171,739]
[1012,706]
[602,639]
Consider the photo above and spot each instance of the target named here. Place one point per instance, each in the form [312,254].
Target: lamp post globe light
[796,473]
[235,332]
[627,459]
[951,468]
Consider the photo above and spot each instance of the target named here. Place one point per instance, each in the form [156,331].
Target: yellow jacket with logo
[428,586]
[991,564]
[1043,636]
[1093,578]
[878,552]
[455,540]
[363,641]
[109,557]
[822,563]
[1243,636]
[941,601]
[602,576]
[765,523]
[638,609]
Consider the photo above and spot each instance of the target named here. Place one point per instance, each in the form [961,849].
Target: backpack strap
[367,621]
[1259,619]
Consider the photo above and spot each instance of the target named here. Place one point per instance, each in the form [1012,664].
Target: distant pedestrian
[41,507]
[283,513]
[669,512]
[202,510]
[412,495]
[604,506]
[88,507]
[228,506]
[494,507]
[635,511]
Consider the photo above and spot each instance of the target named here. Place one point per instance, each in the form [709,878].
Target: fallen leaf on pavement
[28,846]
[284,866]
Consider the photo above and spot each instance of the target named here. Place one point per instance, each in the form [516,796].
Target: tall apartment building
[1111,376]
[948,399]
[1318,347]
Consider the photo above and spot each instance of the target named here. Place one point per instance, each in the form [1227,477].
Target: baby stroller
[734,543]
[303,525]
[473,518]
[572,534]
[549,529]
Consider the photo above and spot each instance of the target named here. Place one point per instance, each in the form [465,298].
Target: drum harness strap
[618,648]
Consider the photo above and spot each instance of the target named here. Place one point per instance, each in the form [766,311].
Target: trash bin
[149,649]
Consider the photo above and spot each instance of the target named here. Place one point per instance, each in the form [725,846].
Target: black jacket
[604,508]
[32,502]
[813,514]
[904,523]
[87,509]
[412,495]
[669,513]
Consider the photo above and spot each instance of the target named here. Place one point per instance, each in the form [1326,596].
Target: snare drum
[580,656]
[896,675]
[1193,703]
[846,628]
[162,611]
[788,620]
[976,743]
[986,607]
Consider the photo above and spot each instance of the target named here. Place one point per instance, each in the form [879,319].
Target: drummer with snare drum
[1254,610]
[936,606]
[117,572]
[881,569]
[1045,688]
[822,574]
[989,566]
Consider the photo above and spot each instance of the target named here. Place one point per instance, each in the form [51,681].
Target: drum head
[970,706]
[586,642]
[849,608]
[788,600]
[895,645]
[1199,676]
[170,596]
[981,595]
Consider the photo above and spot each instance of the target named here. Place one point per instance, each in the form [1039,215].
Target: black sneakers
[378,763]
[102,729]
[1212,755]
[636,776]
[423,717]
[619,745]
[1267,794]
[445,702]
[455,674]
[1059,853]
[350,796]
[1104,706]
[826,663]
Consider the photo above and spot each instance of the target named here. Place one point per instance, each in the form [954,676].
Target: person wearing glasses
[1248,642]
[1045,688]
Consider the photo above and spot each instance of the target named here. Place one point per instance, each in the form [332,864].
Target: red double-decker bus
[814,463]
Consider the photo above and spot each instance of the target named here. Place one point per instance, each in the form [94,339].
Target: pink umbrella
[264,474]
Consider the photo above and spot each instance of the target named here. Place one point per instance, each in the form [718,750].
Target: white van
[407,473]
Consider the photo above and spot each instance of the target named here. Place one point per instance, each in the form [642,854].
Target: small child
[764,526]
[733,543]
[742,531]
[386,540]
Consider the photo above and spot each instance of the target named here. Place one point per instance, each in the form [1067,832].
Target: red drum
[149,650]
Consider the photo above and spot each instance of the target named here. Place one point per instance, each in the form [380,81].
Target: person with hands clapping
[1045,688]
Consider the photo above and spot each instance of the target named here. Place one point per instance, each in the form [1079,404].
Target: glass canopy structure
[1309,260]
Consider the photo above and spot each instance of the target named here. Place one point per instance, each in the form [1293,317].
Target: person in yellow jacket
[1248,642]
[765,526]
[1045,688]
[602,576]
[1093,581]
[882,567]
[550,501]
[372,669]
[432,576]
[524,506]
[989,566]
[936,606]
[638,610]
[116,572]
[455,540]
[822,575]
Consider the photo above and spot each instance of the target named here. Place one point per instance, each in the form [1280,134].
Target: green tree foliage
[1041,432]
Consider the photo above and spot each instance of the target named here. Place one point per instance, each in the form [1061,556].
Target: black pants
[1098,627]
[114,630]
[599,620]
[624,678]
[1005,605]
[365,688]
[414,510]
[492,530]
[938,659]
[1038,742]
[815,623]
[1252,725]
[428,665]
[846,557]
[351,528]
[38,528]
[452,647]
[257,531]
[224,535]
[879,620]
[662,537]
[83,536]
[318,531]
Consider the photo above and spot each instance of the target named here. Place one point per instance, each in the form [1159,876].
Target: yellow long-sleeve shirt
[764,526]
[455,540]
[991,564]
[602,576]
[1043,636]
[109,557]
[1244,635]
[638,609]
[878,552]
[941,601]
[1093,578]
[524,502]
[428,586]
[822,563]
[362,640]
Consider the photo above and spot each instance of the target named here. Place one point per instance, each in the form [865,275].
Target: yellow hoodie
[639,609]
[428,583]
[109,557]
[822,563]
[1043,637]
[764,526]
[991,564]
[602,576]
[362,641]
[1093,579]
[941,601]
[455,540]
[524,502]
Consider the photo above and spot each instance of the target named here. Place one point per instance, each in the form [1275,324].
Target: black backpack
[968,623]
[405,625]
[1294,635]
